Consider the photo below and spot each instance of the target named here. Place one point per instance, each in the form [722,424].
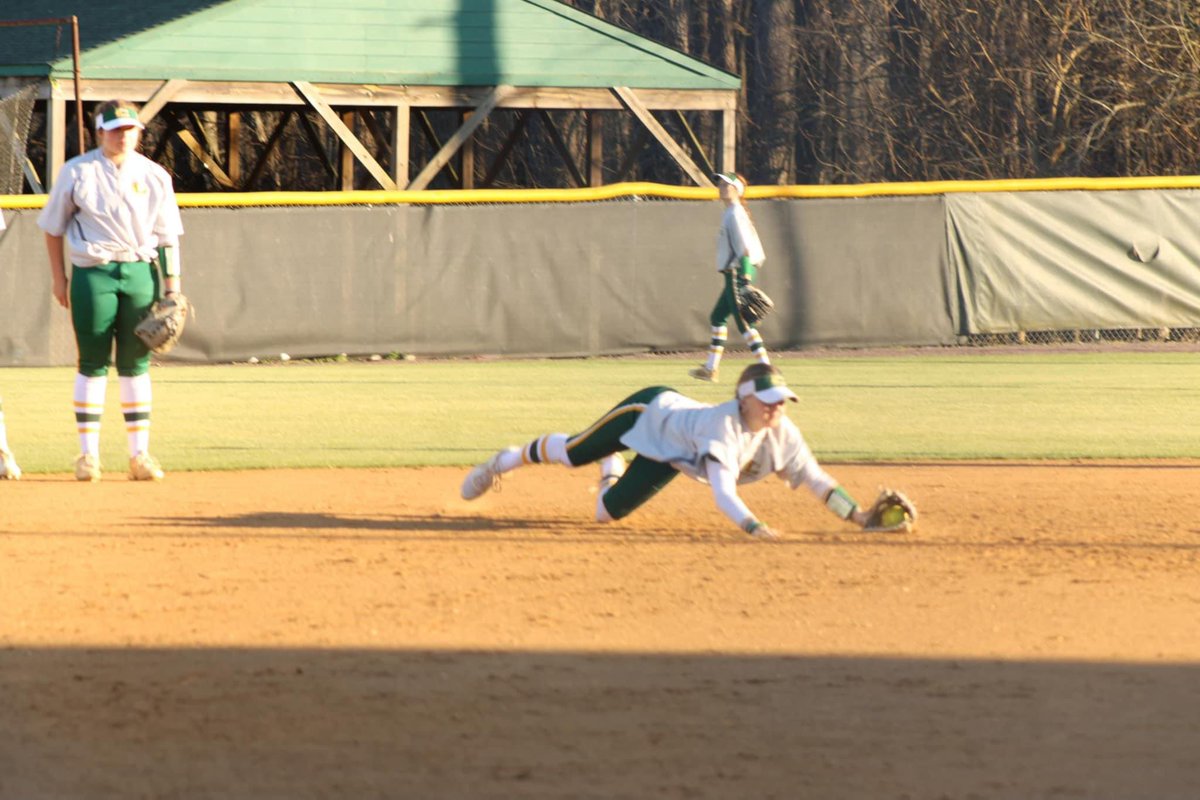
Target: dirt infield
[363,634]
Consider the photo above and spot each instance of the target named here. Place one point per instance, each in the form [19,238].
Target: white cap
[769,388]
[118,117]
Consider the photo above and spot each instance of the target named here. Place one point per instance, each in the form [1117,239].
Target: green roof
[386,42]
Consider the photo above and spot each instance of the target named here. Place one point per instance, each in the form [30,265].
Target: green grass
[947,405]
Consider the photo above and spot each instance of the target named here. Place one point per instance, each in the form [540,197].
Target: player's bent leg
[643,479]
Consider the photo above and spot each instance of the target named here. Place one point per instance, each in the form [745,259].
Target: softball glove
[891,512]
[163,324]
[753,304]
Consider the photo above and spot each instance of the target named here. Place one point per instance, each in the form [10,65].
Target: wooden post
[233,133]
[467,154]
[56,136]
[595,145]
[729,140]
[400,145]
[347,160]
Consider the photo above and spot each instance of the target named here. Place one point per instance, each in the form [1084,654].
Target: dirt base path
[357,634]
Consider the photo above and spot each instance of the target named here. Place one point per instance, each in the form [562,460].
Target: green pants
[727,303]
[107,303]
[644,477]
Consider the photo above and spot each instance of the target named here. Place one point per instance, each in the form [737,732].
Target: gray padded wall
[516,280]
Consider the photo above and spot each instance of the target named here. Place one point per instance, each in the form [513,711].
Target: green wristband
[746,269]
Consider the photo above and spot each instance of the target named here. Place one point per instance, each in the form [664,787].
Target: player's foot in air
[144,467]
[703,373]
[87,468]
[484,477]
[9,471]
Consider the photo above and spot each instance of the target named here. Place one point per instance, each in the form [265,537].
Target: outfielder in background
[742,440]
[117,211]
[9,471]
[739,256]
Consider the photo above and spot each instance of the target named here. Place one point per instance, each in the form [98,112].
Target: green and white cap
[114,118]
[733,180]
[770,389]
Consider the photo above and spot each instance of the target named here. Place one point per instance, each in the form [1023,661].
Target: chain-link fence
[1087,336]
[16,111]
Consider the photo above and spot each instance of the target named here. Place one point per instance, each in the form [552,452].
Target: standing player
[117,210]
[739,441]
[9,471]
[739,256]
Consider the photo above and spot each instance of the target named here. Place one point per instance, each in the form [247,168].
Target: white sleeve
[818,481]
[723,481]
[60,206]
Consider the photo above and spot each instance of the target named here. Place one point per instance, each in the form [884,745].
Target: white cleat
[145,467]
[484,477]
[87,468]
[9,471]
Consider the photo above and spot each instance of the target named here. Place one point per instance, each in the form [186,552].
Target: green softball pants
[107,303]
[644,477]
[726,306]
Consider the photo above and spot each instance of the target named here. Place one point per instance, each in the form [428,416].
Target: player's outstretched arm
[724,488]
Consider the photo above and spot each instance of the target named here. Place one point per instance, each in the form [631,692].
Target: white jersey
[110,213]
[687,434]
[738,238]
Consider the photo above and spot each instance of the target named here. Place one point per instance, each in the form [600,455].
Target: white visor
[733,180]
[118,118]
[770,389]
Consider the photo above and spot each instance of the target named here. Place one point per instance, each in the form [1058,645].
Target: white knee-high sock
[89,405]
[136,400]
[755,343]
[716,347]
[548,449]
[3,429]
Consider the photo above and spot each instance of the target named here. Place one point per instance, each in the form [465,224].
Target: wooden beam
[31,177]
[561,147]
[635,105]
[506,148]
[202,155]
[461,135]
[358,96]
[313,98]
[160,98]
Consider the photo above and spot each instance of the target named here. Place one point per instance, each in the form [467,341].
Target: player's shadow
[474,527]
